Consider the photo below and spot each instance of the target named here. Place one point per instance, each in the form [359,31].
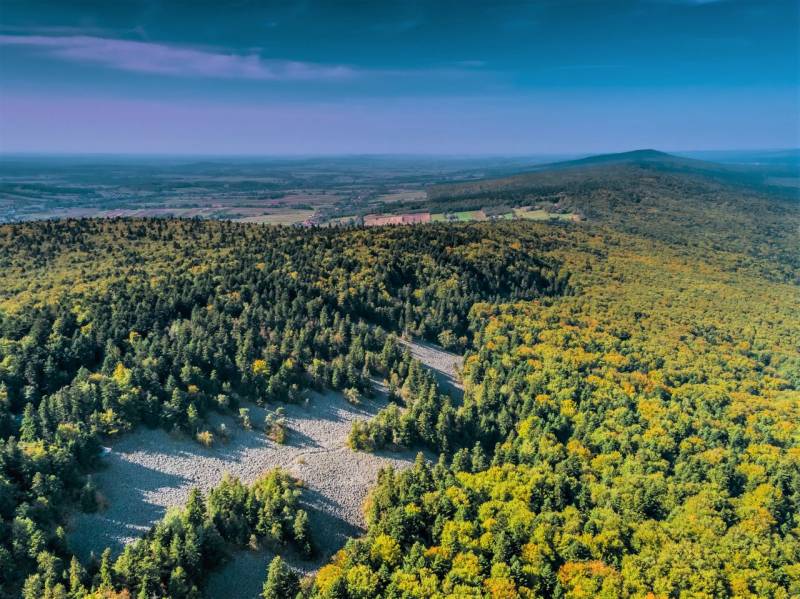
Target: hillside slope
[635,439]
[718,209]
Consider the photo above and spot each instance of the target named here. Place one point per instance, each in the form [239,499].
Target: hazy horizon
[394,155]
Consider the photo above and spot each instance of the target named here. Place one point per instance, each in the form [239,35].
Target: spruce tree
[281,582]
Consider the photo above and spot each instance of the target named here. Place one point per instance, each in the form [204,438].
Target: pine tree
[106,583]
[281,582]
[33,588]
[76,575]
[191,551]
[195,508]
[301,530]
[178,584]
[28,427]
[479,461]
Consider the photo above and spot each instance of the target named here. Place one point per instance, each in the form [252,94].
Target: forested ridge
[629,425]
[702,206]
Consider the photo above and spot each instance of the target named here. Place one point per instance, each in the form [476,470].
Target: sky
[309,77]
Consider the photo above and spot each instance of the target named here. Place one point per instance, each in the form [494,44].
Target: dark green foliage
[419,413]
[301,534]
[281,582]
[175,557]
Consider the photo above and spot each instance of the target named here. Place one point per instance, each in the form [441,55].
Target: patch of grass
[280,217]
[470,215]
[410,195]
[540,214]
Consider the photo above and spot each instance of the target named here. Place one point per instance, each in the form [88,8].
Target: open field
[33,188]
[266,212]
[408,195]
[470,215]
[283,217]
[280,192]
[462,216]
[539,214]
[527,213]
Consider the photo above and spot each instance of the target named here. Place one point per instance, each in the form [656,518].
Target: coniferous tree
[281,581]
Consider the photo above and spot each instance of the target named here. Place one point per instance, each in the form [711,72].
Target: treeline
[106,325]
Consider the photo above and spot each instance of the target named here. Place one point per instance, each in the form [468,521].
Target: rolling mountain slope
[677,200]
[647,159]
[647,156]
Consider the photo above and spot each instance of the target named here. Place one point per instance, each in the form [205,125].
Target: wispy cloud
[164,59]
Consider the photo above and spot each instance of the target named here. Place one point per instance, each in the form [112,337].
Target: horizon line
[297,155]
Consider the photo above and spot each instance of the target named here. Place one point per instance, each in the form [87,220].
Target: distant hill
[615,170]
[763,169]
[648,159]
[655,194]
[633,157]
[787,159]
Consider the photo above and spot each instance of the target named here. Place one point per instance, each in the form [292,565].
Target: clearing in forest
[149,471]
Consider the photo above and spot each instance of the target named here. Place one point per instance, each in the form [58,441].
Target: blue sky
[312,77]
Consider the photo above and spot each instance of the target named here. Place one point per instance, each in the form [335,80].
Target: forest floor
[148,471]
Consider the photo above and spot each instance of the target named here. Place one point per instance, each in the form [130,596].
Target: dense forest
[176,319]
[629,425]
[637,439]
